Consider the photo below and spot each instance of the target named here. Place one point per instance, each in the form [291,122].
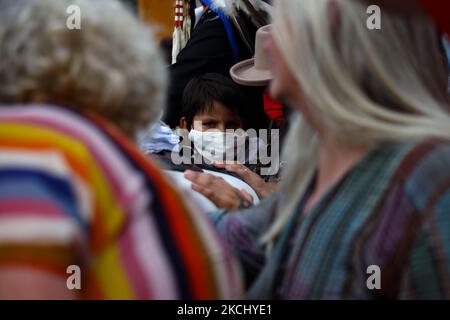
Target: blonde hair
[110,66]
[367,86]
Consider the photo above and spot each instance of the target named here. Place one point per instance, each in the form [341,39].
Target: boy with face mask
[212,129]
[212,113]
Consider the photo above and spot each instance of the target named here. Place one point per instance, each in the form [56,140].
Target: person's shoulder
[50,117]
[210,28]
[33,110]
[209,17]
[430,155]
[60,128]
[425,171]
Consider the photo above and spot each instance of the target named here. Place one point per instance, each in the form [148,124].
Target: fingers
[245,174]
[219,165]
[200,178]
[237,168]
[234,167]
[204,191]
[247,196]
[214,188]
[191,175]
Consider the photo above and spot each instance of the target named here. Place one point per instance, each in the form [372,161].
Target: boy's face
[219,118]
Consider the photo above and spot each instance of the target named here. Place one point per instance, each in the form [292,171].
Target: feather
[222,5]
[258,12]
[244,34]
[249,7]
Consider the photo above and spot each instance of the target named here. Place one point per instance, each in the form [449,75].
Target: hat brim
[246,74]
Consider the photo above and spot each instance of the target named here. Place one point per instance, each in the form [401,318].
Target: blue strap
[228,29]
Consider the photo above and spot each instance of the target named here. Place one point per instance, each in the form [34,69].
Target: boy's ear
[184,123]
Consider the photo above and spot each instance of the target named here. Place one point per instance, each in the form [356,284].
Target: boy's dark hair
[201,92]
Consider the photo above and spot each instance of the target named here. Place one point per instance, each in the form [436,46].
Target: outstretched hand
[220,192]
[262,188]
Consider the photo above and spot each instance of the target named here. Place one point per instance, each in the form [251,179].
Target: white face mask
[216,146]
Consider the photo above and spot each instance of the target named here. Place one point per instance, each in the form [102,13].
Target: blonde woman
[364,211]
[83,214]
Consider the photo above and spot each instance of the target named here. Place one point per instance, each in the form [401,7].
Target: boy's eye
[209,124]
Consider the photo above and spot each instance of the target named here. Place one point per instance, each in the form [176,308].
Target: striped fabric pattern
[179,13]
[75,191]
[182,27]
[392,211]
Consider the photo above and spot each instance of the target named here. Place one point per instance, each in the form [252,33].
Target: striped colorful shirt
[382,232]
[75,191]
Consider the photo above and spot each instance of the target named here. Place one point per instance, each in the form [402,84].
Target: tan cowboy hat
[255,72]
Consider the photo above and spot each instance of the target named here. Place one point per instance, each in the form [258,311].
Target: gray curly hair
[110,66]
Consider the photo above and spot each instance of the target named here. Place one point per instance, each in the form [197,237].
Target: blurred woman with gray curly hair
[83,214]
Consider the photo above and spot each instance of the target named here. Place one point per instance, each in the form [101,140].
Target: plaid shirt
[392,211]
